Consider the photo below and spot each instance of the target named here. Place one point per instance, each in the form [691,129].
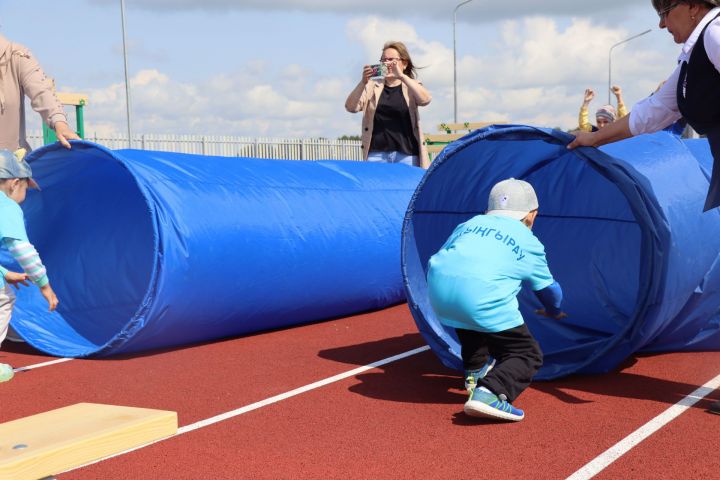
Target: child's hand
[543,313]
[50,296]
[13,278]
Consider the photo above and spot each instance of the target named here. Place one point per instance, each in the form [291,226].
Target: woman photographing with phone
[389,96]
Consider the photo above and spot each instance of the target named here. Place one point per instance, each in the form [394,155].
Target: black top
[392,127]
[698,89]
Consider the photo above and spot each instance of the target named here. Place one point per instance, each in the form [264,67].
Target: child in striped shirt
[15,178]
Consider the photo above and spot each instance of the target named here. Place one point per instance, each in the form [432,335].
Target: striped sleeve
[28,258]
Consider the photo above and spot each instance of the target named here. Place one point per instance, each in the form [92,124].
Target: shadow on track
[423,379]
[420,378]
[623,384]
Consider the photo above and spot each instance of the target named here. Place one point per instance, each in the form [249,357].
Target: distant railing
[228,146]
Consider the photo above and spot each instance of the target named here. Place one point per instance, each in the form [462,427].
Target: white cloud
[221,105]
[534,71]
[478,11]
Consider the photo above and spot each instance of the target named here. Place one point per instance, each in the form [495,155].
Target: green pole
[80,119]
[48,135]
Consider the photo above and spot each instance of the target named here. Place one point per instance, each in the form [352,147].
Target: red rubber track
[403,420]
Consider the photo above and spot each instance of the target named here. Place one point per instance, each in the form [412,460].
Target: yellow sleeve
[622,110]
[583,122]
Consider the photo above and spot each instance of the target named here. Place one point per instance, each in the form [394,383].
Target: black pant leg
[473,348]
[517,358]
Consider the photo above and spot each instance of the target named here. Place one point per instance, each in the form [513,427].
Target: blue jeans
[393,157]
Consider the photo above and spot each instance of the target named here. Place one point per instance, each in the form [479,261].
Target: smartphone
[379,71]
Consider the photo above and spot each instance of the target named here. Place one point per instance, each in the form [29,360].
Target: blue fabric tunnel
[154,249]
[624,233]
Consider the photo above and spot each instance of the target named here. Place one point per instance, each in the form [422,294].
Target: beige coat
[20,75]
[365,98]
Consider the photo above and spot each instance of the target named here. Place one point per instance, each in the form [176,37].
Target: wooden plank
[468,126]
[62,439]
[440,138]
[435,148]
[72,98]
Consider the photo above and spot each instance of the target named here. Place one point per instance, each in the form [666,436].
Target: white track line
[626,444]
[267,401]
[298,391]
[43,364]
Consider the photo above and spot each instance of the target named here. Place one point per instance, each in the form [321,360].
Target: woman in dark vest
[692,91]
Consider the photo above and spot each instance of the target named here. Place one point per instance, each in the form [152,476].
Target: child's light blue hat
[13,166]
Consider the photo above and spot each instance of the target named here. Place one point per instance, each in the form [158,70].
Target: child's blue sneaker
[472,376]
[484,403]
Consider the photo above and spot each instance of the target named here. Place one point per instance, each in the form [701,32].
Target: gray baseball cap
[13,167]
[512,198]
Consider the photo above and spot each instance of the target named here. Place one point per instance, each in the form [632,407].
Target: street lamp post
[455,59]
[610,58]
[127,82]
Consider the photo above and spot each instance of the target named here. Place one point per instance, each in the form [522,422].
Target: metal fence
[227,146]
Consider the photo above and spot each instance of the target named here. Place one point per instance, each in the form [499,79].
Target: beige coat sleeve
[357,99]
[38,88]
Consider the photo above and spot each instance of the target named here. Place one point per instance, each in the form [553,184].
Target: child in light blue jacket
[15,179]
[473,282]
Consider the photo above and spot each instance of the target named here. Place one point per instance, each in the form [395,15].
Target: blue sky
[281,68]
